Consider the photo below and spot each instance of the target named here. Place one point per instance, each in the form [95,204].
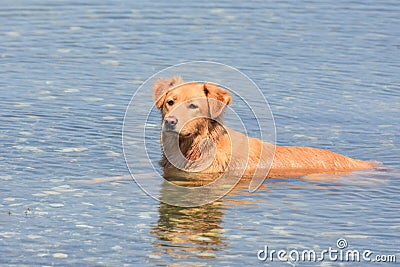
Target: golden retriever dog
[194,138]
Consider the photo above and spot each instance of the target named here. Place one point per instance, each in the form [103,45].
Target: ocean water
[329,70]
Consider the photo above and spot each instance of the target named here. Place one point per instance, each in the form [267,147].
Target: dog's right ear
[161,87]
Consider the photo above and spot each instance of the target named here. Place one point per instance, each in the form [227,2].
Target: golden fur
[199,142]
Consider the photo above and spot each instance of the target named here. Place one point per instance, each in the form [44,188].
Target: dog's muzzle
[170,123]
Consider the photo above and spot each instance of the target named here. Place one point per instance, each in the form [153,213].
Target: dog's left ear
[222,99]
[161,87]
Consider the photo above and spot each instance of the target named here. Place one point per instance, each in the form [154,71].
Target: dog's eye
[170,102]
[193,106]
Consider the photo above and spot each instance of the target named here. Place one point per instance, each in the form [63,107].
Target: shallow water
[329,71]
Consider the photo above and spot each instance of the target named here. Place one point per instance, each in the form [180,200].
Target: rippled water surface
[329,69]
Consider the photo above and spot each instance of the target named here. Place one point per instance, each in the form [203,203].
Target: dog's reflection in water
[189,232]
[186,232]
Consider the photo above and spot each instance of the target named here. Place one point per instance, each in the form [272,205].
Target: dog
[194,138]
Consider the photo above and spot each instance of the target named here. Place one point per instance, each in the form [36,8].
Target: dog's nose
[170,121]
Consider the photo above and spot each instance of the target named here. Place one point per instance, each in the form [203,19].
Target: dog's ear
[221,98]
[161,87]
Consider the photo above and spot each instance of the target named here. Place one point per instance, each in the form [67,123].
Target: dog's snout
[170,121]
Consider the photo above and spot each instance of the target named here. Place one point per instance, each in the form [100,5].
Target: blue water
[329,69]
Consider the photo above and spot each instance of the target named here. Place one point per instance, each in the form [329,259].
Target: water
[68,70]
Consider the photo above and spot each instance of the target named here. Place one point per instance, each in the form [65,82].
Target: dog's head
[187,108]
